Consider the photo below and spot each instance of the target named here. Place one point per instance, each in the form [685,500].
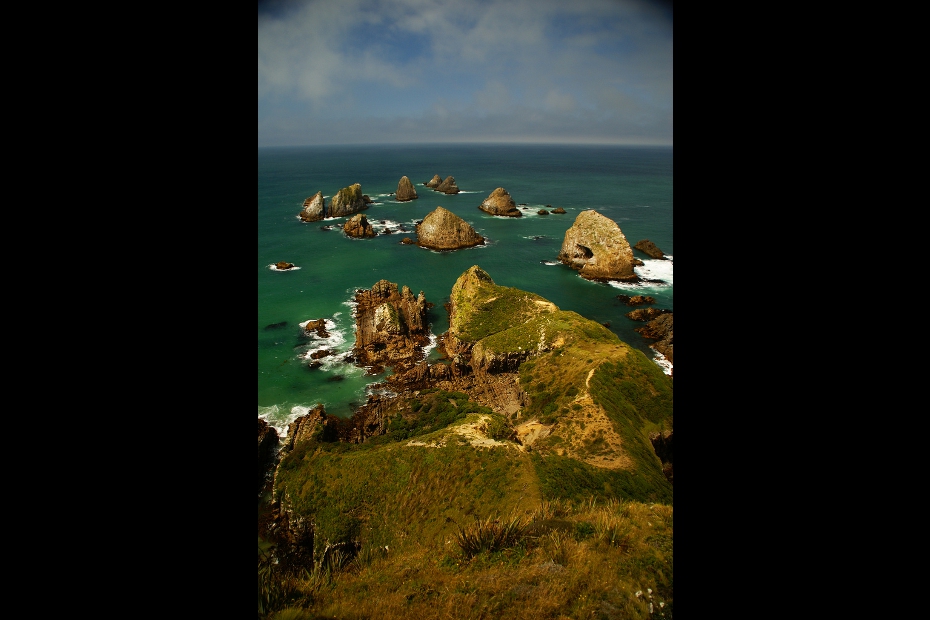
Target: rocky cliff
[443,230]
[391,327]
[347,201]
[660,329]
[313,208]
[499,202]
[405,190]
[597,248]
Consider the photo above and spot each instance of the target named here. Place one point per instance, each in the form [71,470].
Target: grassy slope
[598,535]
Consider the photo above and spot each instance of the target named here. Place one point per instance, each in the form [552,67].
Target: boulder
[596,248]
[443,230]
[347,201]
[434,182]
[558,210]
[648,247]
[448,186]
[645,314]
[313,208]
[636,300]
[284,265]
[405,190]
[358,226]
[499,202]
[318,327]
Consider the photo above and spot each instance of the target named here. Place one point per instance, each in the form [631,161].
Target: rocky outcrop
[358,226]
[443,230]
[558,210]
[315,424]
[448,186]
[542,212]
[267,442]
[391,327]
[660,329]
[646,314]
[648,247]
[499,202]
[596,248]
[662,446]
[405,190]
[434,182]
[347,201]
[283,265]
[313,208]
[317,327]
[636,300]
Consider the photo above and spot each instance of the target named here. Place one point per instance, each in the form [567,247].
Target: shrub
[490,535]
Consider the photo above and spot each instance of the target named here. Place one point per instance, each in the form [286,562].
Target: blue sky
[515,71]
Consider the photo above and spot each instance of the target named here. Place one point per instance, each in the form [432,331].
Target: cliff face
[443,230]
[597,248]
[391,327]
[313,208]
[499,202]
[405,190]
[347,201]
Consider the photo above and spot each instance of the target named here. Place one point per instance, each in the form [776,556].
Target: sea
[631,185]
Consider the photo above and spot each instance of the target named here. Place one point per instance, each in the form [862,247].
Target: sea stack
[597,248]
[313,208]
[499,202]
[347,201]
[443,230]
[358,226]
[405,190]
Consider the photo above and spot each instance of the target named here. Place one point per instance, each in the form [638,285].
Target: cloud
[514,70]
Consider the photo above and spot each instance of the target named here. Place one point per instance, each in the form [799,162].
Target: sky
[450,71]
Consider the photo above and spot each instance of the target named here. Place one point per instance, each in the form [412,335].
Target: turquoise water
[630,185]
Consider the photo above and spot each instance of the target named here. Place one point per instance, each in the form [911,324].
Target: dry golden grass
[576,561]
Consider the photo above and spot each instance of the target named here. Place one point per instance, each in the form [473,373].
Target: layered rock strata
[597,248]
[499,202]
[391,327]
[405,190]
[313,208]
[443,230]
[347,201]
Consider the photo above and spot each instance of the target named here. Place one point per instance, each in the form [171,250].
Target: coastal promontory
[499,202]
[443,230]
[597,248]
[347,201]
[312,208]
[405,190]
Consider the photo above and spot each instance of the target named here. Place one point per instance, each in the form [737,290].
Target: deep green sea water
[630,185]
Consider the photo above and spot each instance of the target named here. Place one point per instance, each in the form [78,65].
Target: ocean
[630,185]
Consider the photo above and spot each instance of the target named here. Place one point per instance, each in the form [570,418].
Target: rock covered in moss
[347,201]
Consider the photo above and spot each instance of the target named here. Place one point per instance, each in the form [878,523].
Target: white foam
[274,267]
[280,417]
[551,262]
[662,361]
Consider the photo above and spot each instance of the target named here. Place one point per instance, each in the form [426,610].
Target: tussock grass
[550,574]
